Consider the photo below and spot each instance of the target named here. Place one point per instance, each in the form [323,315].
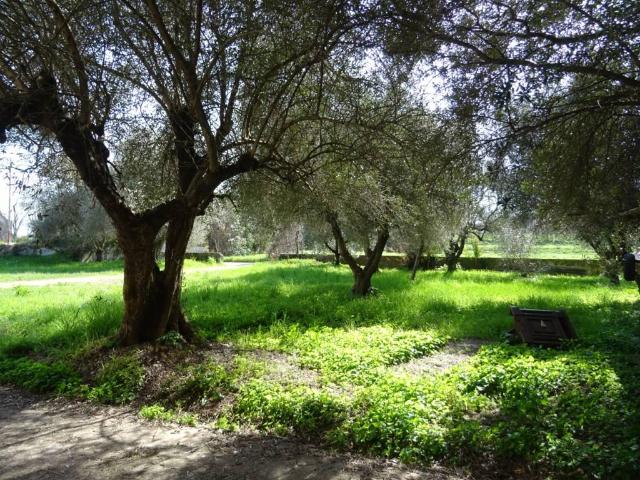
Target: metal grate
[549,328]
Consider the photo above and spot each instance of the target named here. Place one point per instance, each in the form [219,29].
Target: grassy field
[303,359]
[14,268]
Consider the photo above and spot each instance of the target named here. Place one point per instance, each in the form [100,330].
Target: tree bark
[416,261]
[335,251]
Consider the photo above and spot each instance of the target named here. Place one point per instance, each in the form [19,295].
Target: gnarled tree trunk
[152,296]
[453,253]
[361,275]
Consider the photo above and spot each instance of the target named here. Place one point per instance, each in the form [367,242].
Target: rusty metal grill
[549,328]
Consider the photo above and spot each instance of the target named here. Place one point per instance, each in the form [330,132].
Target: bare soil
[452,354]
[45,438]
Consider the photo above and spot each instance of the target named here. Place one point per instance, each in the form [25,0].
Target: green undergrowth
[197,385]
[347,356]
[118,380]
[40,377]
[160,413]
[571,413]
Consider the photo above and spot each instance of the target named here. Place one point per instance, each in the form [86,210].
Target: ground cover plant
[557,413]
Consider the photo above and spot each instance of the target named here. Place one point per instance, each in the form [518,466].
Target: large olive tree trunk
[152,296]
[361,275]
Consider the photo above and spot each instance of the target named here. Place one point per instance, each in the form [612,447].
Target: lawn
[285,350]
[14,268]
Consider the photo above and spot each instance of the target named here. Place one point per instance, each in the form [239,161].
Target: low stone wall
[204,256]
[542,265]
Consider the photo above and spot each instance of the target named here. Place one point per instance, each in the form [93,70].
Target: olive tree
[223,82]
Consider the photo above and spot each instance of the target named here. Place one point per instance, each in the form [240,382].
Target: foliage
[299,409]
[68,219]
[56,377]
[157,412]
[353,356]
[572,411]
[200,384]
[118,380]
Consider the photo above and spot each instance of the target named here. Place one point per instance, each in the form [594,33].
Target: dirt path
[117,278]
[50,439]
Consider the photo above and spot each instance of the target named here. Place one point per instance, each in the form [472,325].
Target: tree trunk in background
[416,261]
[362,276]
[455,250]
[335,251]
[151,296]
[610,256]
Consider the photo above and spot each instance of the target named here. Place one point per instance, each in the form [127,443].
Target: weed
[201,385]
[156,412]
[40,377]
[118,381]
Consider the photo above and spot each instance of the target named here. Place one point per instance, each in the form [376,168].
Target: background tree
[474,213]
[68,218]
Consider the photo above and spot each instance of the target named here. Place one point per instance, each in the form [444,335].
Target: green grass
[565,413]
[33,267]
[252,257]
